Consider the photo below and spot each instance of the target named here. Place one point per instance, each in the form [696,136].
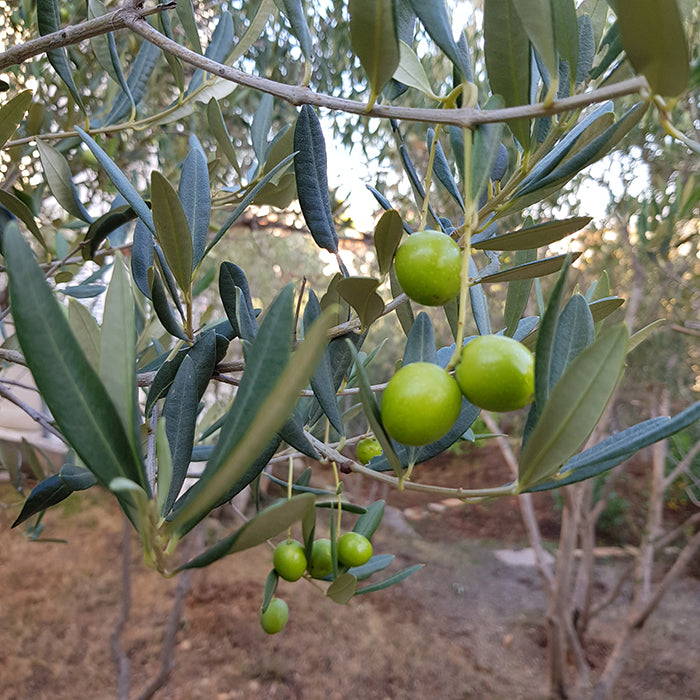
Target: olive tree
[193,115]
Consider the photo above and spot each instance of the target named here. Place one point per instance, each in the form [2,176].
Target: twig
[299,94]
[467,495]
[121,660]
[118,19]
[527,509]
[12,356]
[31,412]
[167,657]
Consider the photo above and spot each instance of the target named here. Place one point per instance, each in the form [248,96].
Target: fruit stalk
[467,249]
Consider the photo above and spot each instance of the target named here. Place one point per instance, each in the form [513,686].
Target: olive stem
[466,495]
[428,179]
[467,251]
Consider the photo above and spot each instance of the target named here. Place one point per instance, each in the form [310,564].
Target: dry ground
[465,626]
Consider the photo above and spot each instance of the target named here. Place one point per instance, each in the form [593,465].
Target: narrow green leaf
[172,230]
[142,257]
[561,149]
[643,333]
[260,128]
[120,181]
[180,413]
[443,171]
[566,32]
[270,589]
[372,414]
[538,21]
[391,580]
[60,181]
[586,48]
[654,41]
[218,50]
[17,207]
[487,143]
[49,21]
[137,82]
[593,151]
[374,39]
[260,528]
[602,308]
[281,190]
[193,192]
[77,478]
[265,399]
[574,333]
[101,228]
[165,465]
[68,384]
[420,345]
[12,113]
[45,494]
[294,9]
[410,71]
[620,447]
[543,351]
[433,15]
[387,236]
[237,302]
[218,129]
[322,381]
[574,407]
[540,268]
[161,305]
[534,236]
[370,520]
[518,293]
[361,294]
[507,52]
[342,589]
[478,302]
[185,13]
[86,332]
[377,563]
[310,167]
[118,347]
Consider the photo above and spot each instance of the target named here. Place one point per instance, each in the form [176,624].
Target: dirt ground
[465,626]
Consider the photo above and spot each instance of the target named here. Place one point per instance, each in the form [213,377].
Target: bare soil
[465,626]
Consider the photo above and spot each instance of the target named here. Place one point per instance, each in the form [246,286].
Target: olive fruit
[274,619]
[428,266]
[496,373]
[289,560]
[354,549]
[321,562]
[420,404]
[367,449]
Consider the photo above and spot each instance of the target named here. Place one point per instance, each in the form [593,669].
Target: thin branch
[31,412]
[614,593]
[299,94]
[682,466]
[684,558]
[192,545]
[117,19]
[467,495]
[121,660]
[527,509]
[12,356]
[676,532]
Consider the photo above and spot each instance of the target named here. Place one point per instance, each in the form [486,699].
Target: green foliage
[138,395]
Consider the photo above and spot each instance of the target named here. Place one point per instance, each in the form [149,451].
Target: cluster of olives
[423,401]
[290,562]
